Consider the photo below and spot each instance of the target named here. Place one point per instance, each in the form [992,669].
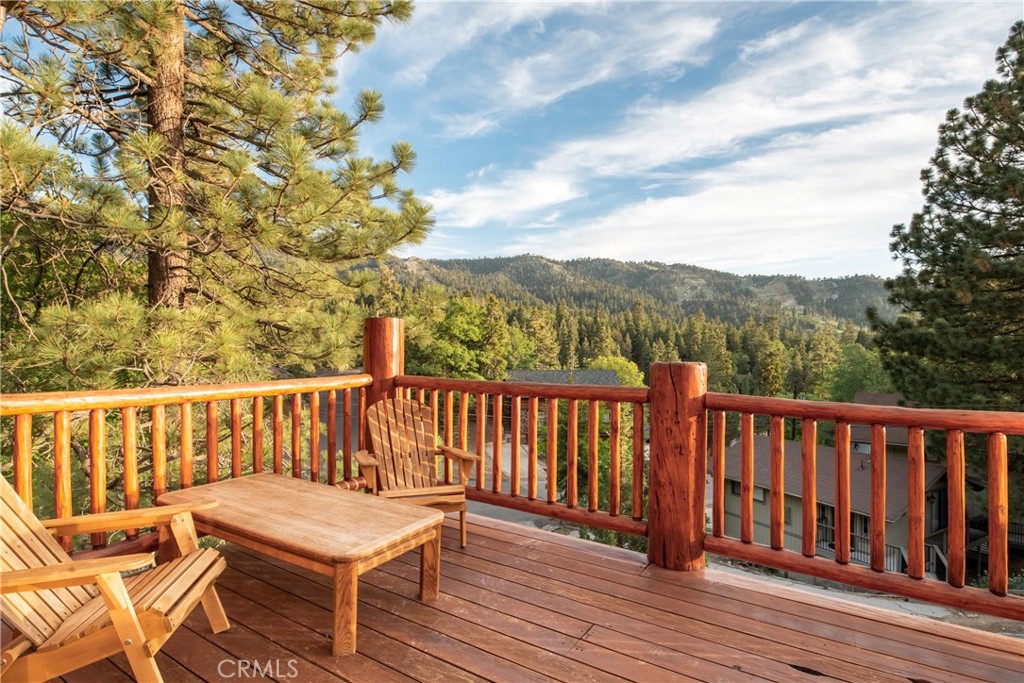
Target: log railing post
[383,355]
[678,464]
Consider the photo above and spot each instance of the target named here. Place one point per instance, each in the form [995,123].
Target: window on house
[789,516]
[759,493]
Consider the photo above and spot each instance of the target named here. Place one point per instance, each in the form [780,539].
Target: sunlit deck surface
[521,604]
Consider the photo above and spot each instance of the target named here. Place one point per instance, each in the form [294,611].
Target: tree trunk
[165,108]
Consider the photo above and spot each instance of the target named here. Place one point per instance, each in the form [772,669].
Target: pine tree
[182,162]
[960,339]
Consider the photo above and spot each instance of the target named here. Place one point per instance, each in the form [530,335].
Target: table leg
[430,567]
[346,598]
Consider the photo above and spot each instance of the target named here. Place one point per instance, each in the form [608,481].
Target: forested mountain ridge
[674,289]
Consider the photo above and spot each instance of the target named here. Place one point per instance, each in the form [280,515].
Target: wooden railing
[147,420]
[555,436]
[547,427]
[996,426]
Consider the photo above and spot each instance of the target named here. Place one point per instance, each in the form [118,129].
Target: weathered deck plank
[525,605]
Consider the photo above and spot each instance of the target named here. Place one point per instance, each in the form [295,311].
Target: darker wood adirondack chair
[403,465]
[70,613]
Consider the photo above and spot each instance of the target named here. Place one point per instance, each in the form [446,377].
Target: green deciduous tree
[858,369]
[960,339]
[181,162]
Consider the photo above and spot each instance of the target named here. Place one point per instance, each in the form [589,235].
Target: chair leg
[215,611]
[129,630]
[462,527]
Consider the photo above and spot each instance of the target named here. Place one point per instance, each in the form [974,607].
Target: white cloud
[519,195]
[788,209]
[831,124]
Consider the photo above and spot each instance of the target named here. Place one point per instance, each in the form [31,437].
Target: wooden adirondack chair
[404,461]
[71,613]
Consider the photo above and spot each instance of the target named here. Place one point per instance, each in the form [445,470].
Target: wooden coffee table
[338,533]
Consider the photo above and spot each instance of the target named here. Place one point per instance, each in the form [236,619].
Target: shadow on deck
[526,605]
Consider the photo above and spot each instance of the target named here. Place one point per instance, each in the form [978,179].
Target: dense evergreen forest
[769,335]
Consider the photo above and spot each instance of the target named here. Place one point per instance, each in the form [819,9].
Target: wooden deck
[526,605]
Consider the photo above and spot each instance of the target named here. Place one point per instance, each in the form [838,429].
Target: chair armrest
[73,573]
[453,453]
[122,519]
[365,459]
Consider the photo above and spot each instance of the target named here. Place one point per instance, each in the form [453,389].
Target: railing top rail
[28,404]
[586,392]
[986,421]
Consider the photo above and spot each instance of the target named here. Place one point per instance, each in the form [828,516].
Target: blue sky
[762,137]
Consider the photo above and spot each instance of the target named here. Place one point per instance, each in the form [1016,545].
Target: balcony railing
[666,505]
[860,549]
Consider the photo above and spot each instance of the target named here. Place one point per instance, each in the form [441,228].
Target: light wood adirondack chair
[71,613]
[404,461]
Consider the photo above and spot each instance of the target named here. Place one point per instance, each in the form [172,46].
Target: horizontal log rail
[71,401]
[968,421]
[880,574]
[132,445]
[140,443]
[543,446]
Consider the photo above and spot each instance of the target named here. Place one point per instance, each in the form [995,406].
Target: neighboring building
[896,496]
[607,378]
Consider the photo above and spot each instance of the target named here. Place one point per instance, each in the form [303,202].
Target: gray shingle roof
[860,475]
[606,378]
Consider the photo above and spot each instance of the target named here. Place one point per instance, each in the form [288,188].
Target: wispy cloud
[803,154]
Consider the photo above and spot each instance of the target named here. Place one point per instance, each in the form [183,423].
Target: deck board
[521,604]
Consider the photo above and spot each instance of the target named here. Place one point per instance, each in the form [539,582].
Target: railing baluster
[614,461]
[23,458]
[551,462]
[481,437]
[718,474]
[777,500]
[62,470]
[842,510]
[435,414]
[878,457]
[497,442]
[278,418]
[747,478]
[186,461]
[297,436]
[915,513]
[212,443]
[130,475]
[332,437]
[533,408]
[314,436]
[638,461]
[956,546]
[346,433]
[449,416]
[998,515]
[464,420]
[98,468]
[572,454]
[361,435]
[257,435]
[158,436]
[593,470]
[236,438]
[809,474]
[516,429]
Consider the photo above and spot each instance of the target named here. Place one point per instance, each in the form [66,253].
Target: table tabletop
[321,522]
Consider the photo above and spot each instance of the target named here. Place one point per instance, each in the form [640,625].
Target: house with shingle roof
[896,499]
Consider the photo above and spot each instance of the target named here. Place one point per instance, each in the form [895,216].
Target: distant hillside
[671,288]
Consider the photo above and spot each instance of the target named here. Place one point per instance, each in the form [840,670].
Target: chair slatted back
[402,436]
[25,544]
